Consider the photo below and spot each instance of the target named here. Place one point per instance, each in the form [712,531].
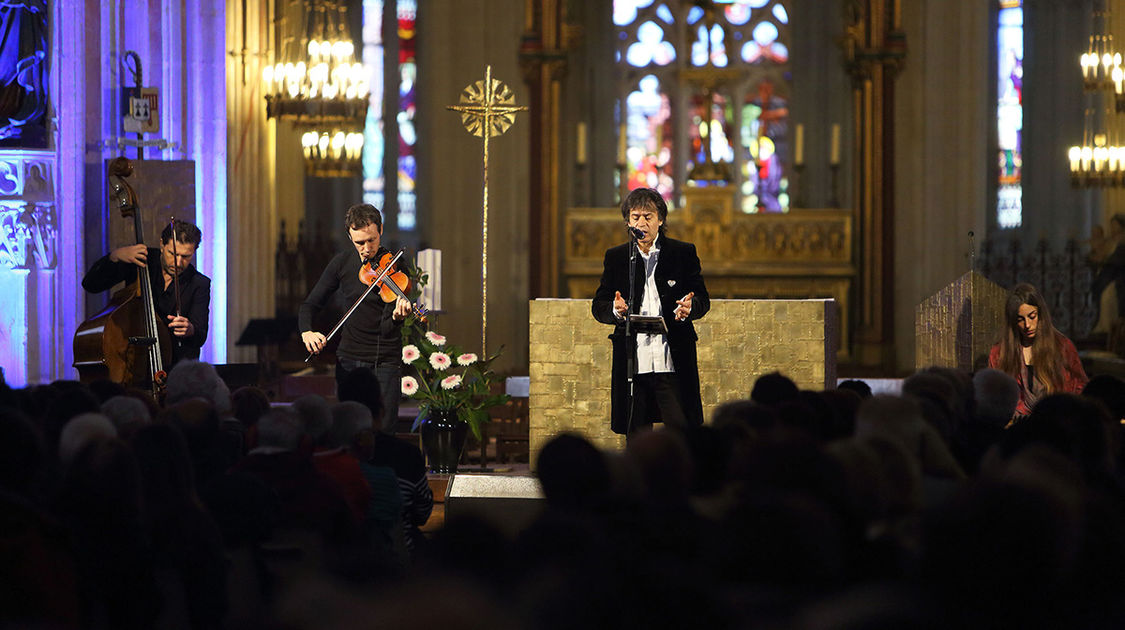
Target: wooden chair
[510,429]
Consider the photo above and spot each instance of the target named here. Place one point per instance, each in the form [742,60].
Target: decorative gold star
[487,104]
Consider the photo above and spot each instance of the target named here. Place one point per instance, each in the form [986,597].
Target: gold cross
[487,109]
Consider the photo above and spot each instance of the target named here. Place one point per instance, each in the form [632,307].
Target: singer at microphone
[655,377]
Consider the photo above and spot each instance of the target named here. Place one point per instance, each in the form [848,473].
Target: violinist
[173,258]
[371,336]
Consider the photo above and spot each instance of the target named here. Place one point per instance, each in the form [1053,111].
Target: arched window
[1009,113]
[673,55]
[393,64]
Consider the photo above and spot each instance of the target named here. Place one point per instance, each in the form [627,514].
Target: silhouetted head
[773,388]
[573,472]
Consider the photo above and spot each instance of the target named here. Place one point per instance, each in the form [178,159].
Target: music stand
[267,335]
[648,325]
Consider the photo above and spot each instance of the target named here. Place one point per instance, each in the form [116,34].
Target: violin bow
[351,310]
[175,273]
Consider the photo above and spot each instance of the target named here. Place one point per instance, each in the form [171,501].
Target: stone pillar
[30,351]
[253,187]
[874,47]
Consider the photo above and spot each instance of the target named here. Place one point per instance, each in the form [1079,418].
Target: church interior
[877,155]
[862,179]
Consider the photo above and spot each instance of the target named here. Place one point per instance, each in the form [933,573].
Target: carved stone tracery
[28,220]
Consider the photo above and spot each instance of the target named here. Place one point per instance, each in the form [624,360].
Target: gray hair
[81,431]
[123,410]
[315,414]
[348,419]
[996,394]
[196,379]
[280,428]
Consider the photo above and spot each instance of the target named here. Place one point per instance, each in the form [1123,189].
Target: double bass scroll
[125,343]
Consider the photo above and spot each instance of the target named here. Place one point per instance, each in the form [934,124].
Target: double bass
[125,343]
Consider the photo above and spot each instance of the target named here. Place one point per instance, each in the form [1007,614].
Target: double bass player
[166,266]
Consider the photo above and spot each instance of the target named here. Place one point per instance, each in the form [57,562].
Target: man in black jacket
[371,337]
[669,284]
[189,328]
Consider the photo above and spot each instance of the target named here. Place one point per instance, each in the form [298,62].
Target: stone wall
[738,341]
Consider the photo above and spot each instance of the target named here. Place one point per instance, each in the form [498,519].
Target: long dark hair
[1046,346]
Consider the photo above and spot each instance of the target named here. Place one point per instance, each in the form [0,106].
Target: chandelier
[1098,161]
[318,86]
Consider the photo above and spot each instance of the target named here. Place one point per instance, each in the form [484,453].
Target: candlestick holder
[834,189]
[622,181]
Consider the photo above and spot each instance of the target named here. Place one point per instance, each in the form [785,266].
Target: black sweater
[371,334]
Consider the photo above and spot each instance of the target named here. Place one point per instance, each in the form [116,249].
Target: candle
[580,144]
[834,153]
[799,146]
[622,144]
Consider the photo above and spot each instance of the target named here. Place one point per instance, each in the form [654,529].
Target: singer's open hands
[683,308]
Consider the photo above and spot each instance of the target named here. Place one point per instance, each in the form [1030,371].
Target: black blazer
[677,274]
[195,296]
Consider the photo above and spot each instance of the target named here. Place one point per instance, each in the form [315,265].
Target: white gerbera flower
[451,382]
[467,359]
[410,354]
[409,385]
[440,360]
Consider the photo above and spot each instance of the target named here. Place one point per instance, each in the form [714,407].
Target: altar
[739,340]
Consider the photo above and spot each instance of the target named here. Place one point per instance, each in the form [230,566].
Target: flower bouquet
[447,379]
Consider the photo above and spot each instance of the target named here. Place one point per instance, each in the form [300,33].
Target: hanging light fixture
[318,86]
[1100,160]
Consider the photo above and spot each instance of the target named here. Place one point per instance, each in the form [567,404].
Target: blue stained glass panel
[737,14]
[625,11]
[648,138]
[1009,114]
[765,33]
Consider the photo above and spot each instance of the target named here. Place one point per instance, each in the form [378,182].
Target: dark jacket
[195,296]
[677,274]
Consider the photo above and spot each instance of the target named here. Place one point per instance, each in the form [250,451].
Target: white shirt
[653,353]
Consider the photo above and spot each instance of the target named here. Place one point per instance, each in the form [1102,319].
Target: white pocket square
[671,283]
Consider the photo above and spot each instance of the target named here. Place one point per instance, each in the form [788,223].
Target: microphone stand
[630,342]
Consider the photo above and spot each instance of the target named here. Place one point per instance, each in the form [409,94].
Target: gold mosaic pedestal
[956,326]
[739,340]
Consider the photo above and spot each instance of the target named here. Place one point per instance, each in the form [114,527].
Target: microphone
[635,233]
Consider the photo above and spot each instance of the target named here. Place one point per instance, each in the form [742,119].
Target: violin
[393,284]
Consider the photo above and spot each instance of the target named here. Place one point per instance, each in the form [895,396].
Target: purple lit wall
[50,197]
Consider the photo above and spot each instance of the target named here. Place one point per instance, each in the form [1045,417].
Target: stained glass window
[660,43]
[407,136]
[648,132]
[765,139]
[401,131]
[373,147]
[1009,114]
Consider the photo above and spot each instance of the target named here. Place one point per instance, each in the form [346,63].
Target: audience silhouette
[791,508]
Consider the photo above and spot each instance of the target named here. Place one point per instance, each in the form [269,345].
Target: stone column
[30,351]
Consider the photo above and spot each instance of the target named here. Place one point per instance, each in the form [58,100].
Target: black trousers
[656,398]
